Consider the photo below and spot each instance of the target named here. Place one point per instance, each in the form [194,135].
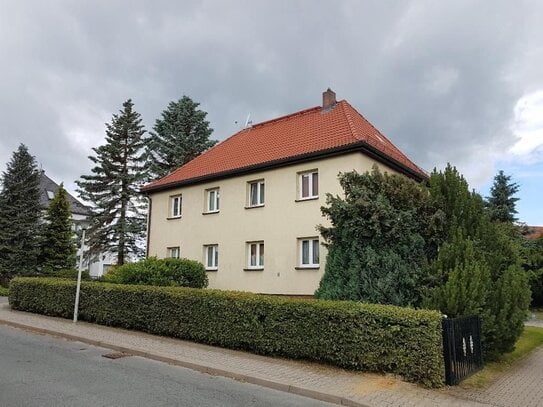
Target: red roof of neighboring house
[302,135]
[534,232]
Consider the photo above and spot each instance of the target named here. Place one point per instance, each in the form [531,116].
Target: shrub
[70,274]
[4,292]
[370,337]
[161,272]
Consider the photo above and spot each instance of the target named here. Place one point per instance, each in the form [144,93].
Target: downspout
[150,207]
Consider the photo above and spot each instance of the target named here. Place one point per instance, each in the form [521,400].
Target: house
[99,264]
[248,207]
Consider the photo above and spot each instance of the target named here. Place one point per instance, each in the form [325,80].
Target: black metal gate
[461,348]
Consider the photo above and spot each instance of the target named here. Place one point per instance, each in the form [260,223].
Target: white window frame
[311,193]
[311,242]
[259,256]
[174,252]
[213,204]
[260,186]
[176,206]
[214,257]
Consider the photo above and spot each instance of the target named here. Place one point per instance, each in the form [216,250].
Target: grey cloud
[441,80]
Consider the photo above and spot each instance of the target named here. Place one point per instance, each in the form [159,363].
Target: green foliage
[57,245]
[467,289]
[20,213]
[382,234]
[478,269]
[501,202]
[532,263]
[4,291]
[117,223]
[70,274]
[462,208]
[370,337]
[161,272]
[180,135]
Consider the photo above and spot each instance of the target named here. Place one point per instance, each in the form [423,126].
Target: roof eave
[360,146]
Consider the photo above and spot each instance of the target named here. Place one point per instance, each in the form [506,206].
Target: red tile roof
[300,135]
[534,232]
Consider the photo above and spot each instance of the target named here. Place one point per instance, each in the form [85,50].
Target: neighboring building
[80,214]
[533,232]
[248,207]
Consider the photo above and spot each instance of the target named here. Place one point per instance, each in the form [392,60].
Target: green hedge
[70,274]
[369,337]
[161,272]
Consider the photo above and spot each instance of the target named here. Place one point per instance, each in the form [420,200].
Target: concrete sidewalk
[304,378]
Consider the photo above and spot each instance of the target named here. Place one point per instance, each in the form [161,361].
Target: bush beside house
[370,337]
[161,272]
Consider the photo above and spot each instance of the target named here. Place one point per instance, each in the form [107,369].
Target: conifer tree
[479,256]
[117,222]
[180,135]
[382,234]
[20,214]
[58,248]
[501,202]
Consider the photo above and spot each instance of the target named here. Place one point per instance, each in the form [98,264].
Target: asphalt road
[39,370]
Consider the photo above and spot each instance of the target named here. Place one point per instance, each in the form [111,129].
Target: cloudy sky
[456,81]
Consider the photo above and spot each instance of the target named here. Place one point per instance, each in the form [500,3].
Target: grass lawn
[4,292]
[530,339]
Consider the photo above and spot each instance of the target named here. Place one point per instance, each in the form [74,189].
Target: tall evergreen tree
[180,135]
[58,248]
[20,214]
[478,257]
[501,202]
[118,219]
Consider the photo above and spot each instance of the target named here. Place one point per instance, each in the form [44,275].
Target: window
[211,254]
[175,206]
[309,252]
[50,194]
[174,252]
[256,193]
[213,200]
[255,252]
[309,185]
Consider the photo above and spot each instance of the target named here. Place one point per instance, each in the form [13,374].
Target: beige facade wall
[279,224]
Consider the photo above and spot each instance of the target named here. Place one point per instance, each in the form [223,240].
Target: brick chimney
[328,99]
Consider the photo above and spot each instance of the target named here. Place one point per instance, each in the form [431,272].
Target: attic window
[50,194]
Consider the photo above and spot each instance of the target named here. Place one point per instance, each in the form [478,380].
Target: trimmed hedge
[161,272]
[70,274]
[369,337]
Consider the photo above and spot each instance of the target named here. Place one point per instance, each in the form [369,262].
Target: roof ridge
[380,134]
[349,119]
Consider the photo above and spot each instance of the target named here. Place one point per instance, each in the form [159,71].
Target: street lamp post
[78,289]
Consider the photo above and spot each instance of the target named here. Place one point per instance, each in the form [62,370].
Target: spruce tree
[58,248]
[117,222]
[20,214]
[180,135]
[501,202]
